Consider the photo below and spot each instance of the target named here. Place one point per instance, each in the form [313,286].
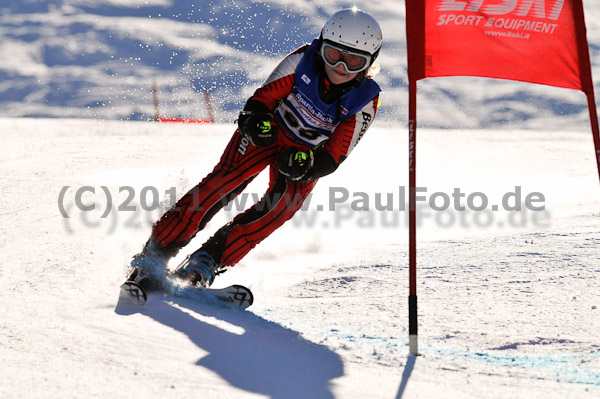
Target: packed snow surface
[508,300]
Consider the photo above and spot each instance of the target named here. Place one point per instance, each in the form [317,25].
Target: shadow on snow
[408,369]
[265,358]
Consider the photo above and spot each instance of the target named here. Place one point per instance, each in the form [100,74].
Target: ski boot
[199,268]
[149,267]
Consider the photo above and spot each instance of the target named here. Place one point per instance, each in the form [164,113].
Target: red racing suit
[242,162]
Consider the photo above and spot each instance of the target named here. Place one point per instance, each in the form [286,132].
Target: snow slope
[76,58]
[508,300]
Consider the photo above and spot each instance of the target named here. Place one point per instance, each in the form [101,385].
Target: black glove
[294,163]
[257,128]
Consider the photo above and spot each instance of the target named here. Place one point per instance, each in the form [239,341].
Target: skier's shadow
[265,358]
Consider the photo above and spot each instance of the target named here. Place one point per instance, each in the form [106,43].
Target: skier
[302,123]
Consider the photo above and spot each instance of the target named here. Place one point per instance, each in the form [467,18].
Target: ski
[236,296]
[132,288]
[134,292]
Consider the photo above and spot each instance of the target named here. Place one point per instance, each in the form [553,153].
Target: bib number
[307,134]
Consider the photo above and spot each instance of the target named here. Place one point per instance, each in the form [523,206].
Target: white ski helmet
[354,29]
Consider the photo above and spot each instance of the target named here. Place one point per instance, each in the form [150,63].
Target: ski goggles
[353,61]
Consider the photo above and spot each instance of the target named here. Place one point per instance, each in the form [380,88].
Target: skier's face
[338,75]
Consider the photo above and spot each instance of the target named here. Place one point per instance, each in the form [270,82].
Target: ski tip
[242,296]
[134,293]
